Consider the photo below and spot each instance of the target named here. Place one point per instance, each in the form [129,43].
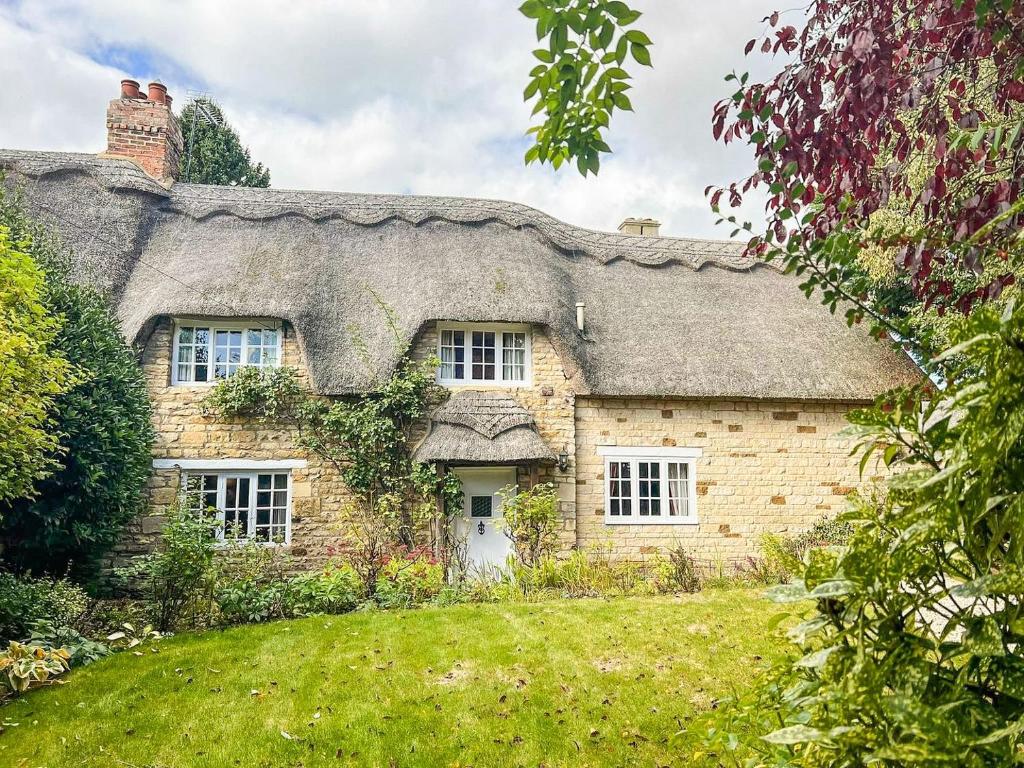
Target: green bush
[103,424]
[334,589]
[81,650]
[25,600]
[531,521]
[175,581]
[908,649]
[33,371]
[679,572]
[405,582]
[250,584]
[783,556]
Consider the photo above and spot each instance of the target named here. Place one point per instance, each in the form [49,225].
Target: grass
[583,682]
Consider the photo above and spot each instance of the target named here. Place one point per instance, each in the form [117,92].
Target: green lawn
[584,682]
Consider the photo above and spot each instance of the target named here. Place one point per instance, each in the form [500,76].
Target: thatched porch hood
[665,317]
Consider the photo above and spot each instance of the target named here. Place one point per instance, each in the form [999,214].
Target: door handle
[480,528]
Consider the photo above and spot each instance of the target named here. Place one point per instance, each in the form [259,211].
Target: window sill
[221,544]
[649,521]
[451,384]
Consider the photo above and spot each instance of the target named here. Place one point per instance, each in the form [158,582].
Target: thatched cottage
[671,388]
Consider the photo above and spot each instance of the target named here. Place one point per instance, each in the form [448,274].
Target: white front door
[487,545]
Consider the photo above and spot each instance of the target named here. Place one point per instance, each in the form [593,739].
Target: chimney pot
[140,131]
[129,89]
[157,92]
[640,226]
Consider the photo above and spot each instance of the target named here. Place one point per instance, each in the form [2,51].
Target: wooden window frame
[499,379]
[214,325]
[663,457]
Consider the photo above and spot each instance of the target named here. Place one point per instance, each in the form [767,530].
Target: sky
[389,96]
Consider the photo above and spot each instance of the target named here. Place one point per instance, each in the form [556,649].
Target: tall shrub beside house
[33,372]
[101,435]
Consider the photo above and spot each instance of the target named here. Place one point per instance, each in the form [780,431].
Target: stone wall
[183,432]
[766,466]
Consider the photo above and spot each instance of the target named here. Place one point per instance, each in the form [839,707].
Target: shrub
[24,601]
[909,652]
[335,589]
[103,426]
[33,371]
[175,580]
[678,572]
[81,650]
[531,521]
[409,581]
[783,556]
[29,666]
[250,585]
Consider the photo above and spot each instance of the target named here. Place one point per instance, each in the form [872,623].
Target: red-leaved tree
[912,105]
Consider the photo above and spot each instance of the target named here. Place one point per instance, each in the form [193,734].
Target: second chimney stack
[644,227]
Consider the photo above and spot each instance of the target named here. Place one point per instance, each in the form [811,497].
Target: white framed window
[645,486]
[484,354]
[250,505]
[206,351]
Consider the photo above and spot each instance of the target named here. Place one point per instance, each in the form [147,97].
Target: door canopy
[483,428]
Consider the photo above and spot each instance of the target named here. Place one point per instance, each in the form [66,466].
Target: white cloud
[419,96]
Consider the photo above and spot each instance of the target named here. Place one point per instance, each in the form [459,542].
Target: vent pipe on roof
[580,306]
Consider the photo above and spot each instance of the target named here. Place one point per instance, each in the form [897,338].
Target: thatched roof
[482,427]
[664,316]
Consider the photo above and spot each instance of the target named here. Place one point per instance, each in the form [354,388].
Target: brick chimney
[644,227]
[142,127]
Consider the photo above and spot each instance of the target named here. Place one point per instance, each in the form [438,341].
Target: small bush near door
[531,521]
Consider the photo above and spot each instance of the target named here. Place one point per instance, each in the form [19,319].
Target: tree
[213,152]
[99,451]
[33,372]
[580,81]
[905,106]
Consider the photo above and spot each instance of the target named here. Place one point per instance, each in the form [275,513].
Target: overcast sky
[413,96]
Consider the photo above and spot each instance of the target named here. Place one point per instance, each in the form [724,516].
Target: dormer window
[205,352]
[484,354]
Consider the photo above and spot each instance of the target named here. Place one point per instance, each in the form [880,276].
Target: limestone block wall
[766,467]
[183,432]
[551,399]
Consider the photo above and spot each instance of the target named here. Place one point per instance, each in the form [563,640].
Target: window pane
[203,336]
[480,506]
[253,337]
[482,355]
[649,488]
[678,489]
[619,488]
[184,354]
[254,356]
[185,334]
